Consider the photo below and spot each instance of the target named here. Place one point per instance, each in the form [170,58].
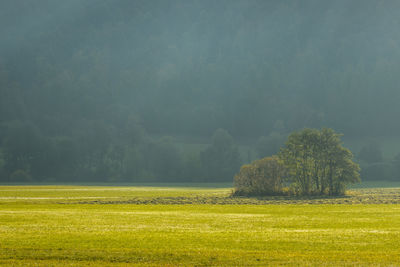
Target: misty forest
[189,91]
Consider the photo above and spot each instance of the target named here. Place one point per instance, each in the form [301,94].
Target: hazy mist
[97,90]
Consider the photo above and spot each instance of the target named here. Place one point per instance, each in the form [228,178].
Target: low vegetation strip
[181,196]
[358,196]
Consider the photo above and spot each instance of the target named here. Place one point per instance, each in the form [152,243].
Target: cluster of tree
[313,162]
[101,155]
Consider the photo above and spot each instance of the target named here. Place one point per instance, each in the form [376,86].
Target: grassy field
[194,226]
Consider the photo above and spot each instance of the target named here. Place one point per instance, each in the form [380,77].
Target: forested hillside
[99,90]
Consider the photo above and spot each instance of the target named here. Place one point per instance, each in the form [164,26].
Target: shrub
[261,177]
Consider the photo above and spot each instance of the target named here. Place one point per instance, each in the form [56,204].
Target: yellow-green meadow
[194,226]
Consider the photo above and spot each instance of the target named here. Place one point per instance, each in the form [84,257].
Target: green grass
[103,226]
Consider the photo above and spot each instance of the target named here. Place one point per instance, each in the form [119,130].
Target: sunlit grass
[57,193]
[63,232]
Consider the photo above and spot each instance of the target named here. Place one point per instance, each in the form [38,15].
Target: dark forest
[188,91]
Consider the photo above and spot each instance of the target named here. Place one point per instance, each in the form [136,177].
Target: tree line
[102,154]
